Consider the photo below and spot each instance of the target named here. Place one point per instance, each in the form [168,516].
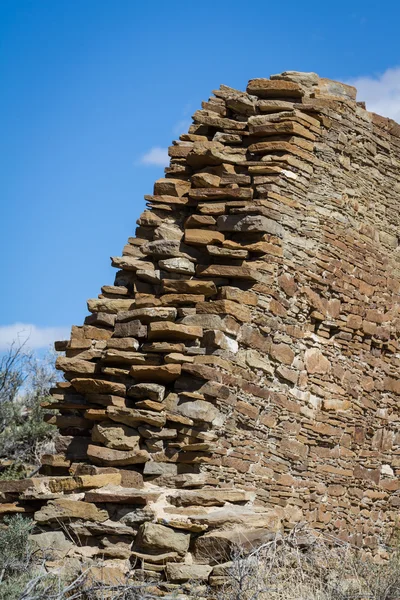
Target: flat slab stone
[121,495]
[180,572]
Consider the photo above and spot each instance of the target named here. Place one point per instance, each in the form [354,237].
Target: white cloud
[381,93]
[156,156]
[35,337]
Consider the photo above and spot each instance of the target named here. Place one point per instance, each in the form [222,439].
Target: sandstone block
[220,340]
[205,180]
[198,410]
[160,469]
[177,265]
[120,495]
[179,572]
[174,331]
[192,286]
[129,344]
[64,510]
[210,497]
[255,360]
[109,305]
[130,329]
[152,391]
[203,237]
[117,437]
[238,295]
[50,545]
[156,374]
[222,193]
[154,539]
[224,307]
[147,315]
[227,271]
[249,223]
[316,362]
[75,365]
[221,546]
[133,417]
[266,88]
[171,187]
[354,321]
[282,353]
[98,386]
[106,456]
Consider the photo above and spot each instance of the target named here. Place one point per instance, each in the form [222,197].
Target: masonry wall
[249,345]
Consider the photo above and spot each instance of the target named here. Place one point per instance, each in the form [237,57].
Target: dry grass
[299,566]
[304,566]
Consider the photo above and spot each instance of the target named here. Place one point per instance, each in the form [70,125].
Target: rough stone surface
[155,539]
[250,341]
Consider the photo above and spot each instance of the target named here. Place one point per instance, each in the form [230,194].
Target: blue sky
[93,91]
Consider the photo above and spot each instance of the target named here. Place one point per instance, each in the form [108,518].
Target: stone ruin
[241,375]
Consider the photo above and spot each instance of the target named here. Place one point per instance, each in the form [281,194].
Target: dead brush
[305,565]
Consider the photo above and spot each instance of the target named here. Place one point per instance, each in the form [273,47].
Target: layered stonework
[241,375]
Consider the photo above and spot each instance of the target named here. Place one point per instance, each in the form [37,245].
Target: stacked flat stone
[241,375]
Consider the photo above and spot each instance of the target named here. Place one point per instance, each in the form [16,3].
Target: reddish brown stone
[282,353]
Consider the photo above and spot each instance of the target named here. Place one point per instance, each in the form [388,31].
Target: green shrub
[13,471]
[15,551]
[25,381]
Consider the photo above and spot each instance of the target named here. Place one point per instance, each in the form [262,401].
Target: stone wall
[241,375]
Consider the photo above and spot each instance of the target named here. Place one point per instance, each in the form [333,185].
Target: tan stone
[133,417]
[117,437]
[225,307]
[148,314]
[265,88]
[238,295]
[64,509]
[282,353]
[152,391]
[203,237]
[198,410]
[120,495]
[205,180]
[179,573]
[106,456]
[213,193]
[210,497]
[392,385]
[171,187]
[8,508]
[105,576]
[316,362]
[227,271]
[110,305]
[156,538]
[174,331]
[354,321]
[157,374]
[75,365]
[283,128]
[249,223]
[186,299]
[335,405]
[50,545]
[192,286]
[196,221]
[98,386]
[220,546]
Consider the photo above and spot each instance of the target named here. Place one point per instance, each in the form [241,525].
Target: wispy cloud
[381,92]
[182,126]
[35,337]
[155,156]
